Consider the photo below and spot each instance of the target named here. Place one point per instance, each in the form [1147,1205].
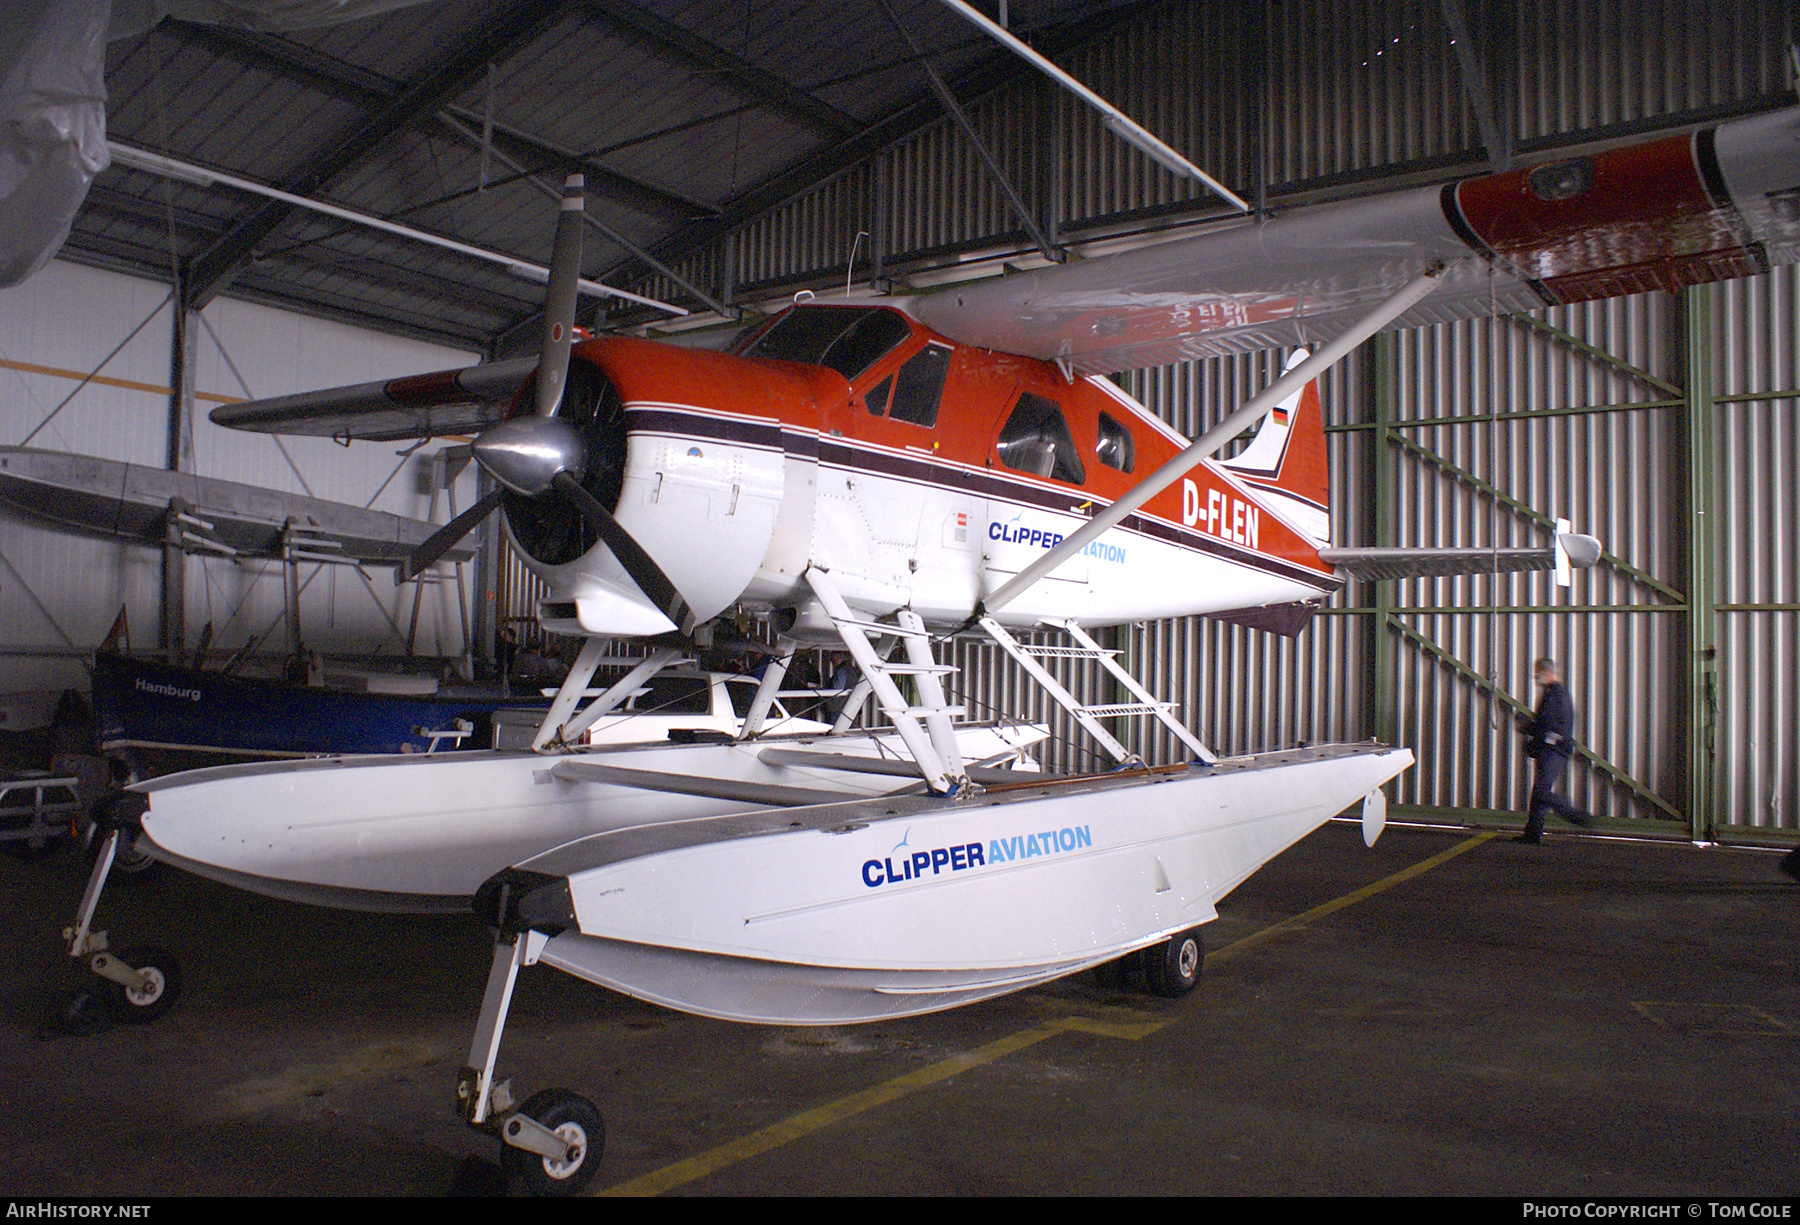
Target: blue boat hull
[142,704]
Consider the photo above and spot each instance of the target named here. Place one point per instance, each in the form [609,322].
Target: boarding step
[1066,652]
[1110,709]
[893,669]
[868,627]
[919,712]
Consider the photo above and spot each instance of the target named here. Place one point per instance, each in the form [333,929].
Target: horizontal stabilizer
[1372,564]
[431,405]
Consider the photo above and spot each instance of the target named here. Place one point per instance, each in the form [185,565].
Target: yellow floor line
[831,1113]
[820,1117]
[1349,899]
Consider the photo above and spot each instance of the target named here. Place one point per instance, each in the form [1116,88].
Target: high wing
[463,401]
[1713,204]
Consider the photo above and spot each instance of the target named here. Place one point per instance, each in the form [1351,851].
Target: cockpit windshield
[847,339]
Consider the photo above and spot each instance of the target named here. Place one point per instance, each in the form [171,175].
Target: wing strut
[1202,448]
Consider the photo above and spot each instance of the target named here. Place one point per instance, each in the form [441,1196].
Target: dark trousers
[1546,774]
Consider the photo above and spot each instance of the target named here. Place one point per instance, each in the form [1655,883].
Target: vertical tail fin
[1287,464]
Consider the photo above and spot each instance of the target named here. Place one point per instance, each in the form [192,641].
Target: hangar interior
[1460,1017]
[735,158]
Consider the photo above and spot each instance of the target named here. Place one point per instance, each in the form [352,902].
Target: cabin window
[847,339]
[1115,447]
[877,397]
[1036,439]
[920,385]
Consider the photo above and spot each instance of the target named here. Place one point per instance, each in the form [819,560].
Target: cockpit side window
[1115,447]
[1036,439]
[847,339]
[866,342]
[803,334]
[920,385]
[877,398]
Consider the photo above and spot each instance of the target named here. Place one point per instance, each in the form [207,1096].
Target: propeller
[544,455]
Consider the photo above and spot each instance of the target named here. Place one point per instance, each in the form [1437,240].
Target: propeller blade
[638,564]
[444,539]
[559,302]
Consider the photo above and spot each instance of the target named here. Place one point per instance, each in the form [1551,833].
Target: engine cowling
[685,448]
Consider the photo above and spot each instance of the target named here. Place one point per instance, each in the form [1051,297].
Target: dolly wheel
[1173,968]
[577,1121]
[162,986]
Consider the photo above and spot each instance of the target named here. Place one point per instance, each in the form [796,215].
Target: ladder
[1089,716]
[925,729]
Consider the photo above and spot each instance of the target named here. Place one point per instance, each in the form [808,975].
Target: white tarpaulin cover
[52,124]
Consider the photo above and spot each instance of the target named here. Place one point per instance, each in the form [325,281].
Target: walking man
[1549,743]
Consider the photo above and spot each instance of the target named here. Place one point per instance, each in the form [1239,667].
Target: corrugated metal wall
[62,591]
[1333,94]
[59,591]
[1341,92]
[1757,444]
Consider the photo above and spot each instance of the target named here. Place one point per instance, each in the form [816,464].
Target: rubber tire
[557,1109]
[1172,969]
[132,867]
[130,1006]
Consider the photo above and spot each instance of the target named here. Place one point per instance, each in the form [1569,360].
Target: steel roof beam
[1475,86]
[283,57]
[284,294]
[954,109]
[351,83]
[553,159]
[123,203]
[758,83]
[553,191]
[494,41]
[137,260]
[1001,70]
[383,274]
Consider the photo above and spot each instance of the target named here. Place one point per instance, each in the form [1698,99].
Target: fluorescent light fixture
[154,163]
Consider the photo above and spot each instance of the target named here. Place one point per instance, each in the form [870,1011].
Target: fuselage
[923,477]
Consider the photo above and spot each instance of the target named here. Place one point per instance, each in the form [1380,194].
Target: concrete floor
[1585,1018]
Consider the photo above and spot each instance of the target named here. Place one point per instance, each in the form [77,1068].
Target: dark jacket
[1552,728]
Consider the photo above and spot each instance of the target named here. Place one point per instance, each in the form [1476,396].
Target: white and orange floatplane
[877,477]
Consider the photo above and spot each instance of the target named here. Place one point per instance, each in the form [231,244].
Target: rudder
[1287,462]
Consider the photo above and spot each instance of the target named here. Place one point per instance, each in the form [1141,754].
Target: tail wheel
[577,1121]
[1173,968]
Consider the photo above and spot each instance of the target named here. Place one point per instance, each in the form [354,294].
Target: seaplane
[882,476]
